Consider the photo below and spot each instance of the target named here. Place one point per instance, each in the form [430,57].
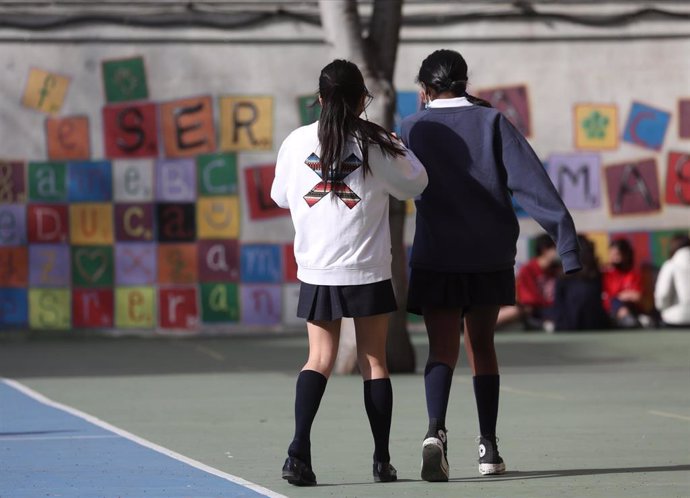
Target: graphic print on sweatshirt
[336,184]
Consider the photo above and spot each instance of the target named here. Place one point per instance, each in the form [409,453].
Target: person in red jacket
[622,285]
[536,284]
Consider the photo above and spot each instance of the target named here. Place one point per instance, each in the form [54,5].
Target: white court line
[210,352]
[51,438]
[669,415]
[141,441]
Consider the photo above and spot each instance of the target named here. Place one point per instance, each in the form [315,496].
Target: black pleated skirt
[331,302]
[430,289]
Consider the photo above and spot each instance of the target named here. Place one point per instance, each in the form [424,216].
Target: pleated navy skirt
[332,302]
[430,289]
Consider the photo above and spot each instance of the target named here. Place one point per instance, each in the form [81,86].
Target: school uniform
[342,236]
[466,229]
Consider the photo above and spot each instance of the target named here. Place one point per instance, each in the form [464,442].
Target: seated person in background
[622,285]
[577,305]
[672,291]
[536,282]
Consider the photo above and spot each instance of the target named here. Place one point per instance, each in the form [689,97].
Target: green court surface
[581,415]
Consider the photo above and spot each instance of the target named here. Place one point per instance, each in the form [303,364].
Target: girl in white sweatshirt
[336,176]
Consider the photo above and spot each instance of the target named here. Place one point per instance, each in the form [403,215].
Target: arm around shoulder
[404,176]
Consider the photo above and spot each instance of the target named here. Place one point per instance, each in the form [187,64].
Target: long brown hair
[342,90]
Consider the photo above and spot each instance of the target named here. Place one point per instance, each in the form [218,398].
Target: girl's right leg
[443,328]
[311,384]
[372,332]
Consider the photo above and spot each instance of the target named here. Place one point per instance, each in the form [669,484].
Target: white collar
[454,102]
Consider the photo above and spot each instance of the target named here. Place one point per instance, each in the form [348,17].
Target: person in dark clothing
[463,255]
[577,304]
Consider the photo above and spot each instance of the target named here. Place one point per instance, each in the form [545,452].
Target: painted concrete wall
[544,83]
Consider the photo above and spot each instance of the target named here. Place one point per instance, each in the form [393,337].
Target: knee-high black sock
[437,380]
[378,401]
[310,388]
[486,388]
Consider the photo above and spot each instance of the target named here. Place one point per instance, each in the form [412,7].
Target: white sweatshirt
[672,291]
[342,236]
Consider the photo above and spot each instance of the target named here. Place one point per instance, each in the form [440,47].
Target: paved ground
[586,415]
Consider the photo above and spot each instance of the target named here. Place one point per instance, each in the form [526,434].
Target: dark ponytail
[342,90]
[446,71]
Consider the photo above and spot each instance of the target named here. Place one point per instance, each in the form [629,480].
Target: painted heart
[91,263]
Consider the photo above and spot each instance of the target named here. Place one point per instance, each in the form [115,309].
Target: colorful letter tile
[134,222]
[177,263]
[14,267]
[219,260]
[48,181]
[261,304]
[678,179]
[50,309]
[90,181]
[246,123]
[130,130]
[646,126]
[261,263]
[513,102]
[92,308]
[14,308]
[217,174]
[220,303]
[92,266]
[187,127]
[218,217]
[12,224]
[91,224]
[596,126]
[135,307]
[68,138]
[633,187]
[45,91]
[125,79]
[48,223]
[175,180]
[133,180]
[135,263]
[178,308]
[258,181]
[49,265]
[176,222]
[12,184]
[577,178]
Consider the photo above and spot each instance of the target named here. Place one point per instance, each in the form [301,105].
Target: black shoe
[490,462]
[384,472]
[298,473]
[435,457]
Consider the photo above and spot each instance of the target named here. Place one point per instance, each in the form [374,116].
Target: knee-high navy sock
[437,380]
[378,401]
[486,388]
[310,388]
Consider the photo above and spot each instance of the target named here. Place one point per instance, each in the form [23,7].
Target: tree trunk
[376,57]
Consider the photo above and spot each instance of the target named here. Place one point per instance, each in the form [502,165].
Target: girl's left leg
[372,332]
[480,323]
